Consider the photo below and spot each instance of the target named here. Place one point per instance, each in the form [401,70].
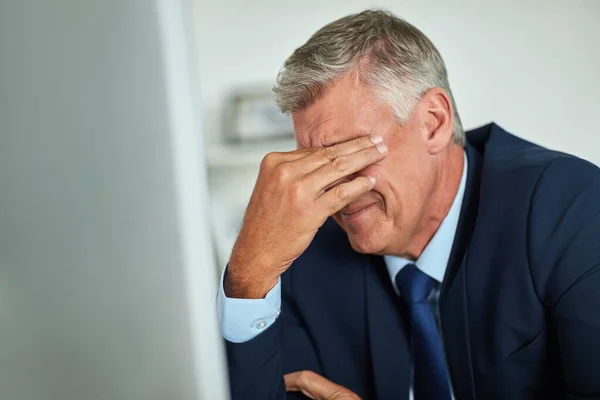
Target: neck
[443,192]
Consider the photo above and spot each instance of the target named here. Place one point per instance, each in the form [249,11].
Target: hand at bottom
[317,387]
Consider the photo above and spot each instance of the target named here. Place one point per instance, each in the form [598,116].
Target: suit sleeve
[257,366]
[565,256]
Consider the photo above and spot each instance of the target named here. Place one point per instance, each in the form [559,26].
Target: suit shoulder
[572,171]
[564,224]
[506,155]
[566,181]
[566,178]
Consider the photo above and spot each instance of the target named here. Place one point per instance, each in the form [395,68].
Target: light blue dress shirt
[244,319]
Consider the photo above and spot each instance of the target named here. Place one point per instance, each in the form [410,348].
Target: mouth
[356,210]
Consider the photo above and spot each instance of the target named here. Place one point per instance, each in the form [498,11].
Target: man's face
[385,219]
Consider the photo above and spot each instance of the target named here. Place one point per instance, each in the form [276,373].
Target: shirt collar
[434,259]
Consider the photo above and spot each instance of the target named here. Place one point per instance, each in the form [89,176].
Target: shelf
[244,155]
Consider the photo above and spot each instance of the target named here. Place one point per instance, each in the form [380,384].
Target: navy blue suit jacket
[519,304]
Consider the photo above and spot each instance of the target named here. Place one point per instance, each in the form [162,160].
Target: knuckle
[282,172]
[330,152]
[269,161]
[339,164]
[342,192]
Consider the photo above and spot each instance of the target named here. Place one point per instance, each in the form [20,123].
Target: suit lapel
[388,333]
[453,298]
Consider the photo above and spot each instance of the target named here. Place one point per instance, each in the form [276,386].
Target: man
[455,265]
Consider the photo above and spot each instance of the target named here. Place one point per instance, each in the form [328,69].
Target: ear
[436,120]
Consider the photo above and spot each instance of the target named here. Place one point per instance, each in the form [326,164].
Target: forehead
[346,110]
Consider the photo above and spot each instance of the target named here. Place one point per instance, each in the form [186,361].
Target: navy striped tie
[430,380]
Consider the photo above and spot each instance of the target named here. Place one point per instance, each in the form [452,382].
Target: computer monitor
[107,274]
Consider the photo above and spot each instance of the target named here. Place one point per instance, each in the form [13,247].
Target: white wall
[94,254]
[531,66]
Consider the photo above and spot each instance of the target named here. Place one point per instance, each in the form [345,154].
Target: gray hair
[390,55]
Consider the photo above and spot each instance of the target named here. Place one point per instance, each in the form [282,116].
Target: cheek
[385,185]
[392,188]
[301,143]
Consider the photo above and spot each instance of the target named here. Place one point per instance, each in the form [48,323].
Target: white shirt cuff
[243,319]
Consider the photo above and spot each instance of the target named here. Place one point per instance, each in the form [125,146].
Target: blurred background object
[107,274]
[254,117]
[530,66]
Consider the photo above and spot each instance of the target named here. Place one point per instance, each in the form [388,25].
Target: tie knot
[414,285]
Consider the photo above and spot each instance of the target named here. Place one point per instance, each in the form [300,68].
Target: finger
[338,197]
[289,156]
[315,386]
[293,383]
[283,161]
[321,156]
[344,166]
[299,153]
[351,146]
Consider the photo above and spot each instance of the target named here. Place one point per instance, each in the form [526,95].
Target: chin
[365,238]
[365,230]
[366,244]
